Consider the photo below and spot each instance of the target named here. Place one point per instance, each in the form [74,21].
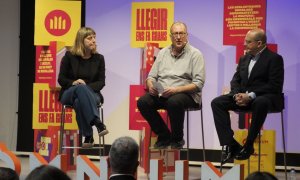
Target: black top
[91,70]
[266,78]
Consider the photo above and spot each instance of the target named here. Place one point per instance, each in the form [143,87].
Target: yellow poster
[56,21]
[151,22]
[47,109]
[267,154]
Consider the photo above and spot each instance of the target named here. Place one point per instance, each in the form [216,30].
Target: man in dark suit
[123,159]
[257,86]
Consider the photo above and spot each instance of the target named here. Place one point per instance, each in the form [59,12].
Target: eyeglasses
[180,34]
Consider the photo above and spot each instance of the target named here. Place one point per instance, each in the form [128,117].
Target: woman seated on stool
[82,76]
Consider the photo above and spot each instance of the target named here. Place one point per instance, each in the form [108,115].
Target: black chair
[259,140]
[62,130]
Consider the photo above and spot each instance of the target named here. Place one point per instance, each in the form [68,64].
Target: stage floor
[193,170]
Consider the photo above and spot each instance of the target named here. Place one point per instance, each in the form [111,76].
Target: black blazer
[266,78]
[69,72]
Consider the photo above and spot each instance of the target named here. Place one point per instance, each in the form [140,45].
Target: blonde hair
[78,47]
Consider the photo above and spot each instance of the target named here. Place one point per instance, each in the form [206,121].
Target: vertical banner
[150,22]
[47,109]
[47,63]
[240,17]
[59,20]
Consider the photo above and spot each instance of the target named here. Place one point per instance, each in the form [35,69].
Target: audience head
[261,176]
[123,156]
[8,174]
[47,172]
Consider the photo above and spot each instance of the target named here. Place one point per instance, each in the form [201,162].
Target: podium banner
[267,156]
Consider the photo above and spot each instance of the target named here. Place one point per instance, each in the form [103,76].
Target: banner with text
[150,22]
[59,20]
[47,63]
[240,17]
[47,109]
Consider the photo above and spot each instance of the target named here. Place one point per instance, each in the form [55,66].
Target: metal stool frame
[62,129]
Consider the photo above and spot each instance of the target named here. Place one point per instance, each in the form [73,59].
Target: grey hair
[179,23]
[123,155]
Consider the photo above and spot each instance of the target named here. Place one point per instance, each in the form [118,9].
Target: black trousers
[175,105]
[259,107]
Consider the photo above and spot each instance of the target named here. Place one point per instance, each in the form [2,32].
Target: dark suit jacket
[266,78]
[69,72]
[122,177]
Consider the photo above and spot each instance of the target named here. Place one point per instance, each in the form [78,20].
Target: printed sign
[59,20]
[240,17]
[151,22]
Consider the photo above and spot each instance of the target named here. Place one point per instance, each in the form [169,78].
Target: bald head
[258,35]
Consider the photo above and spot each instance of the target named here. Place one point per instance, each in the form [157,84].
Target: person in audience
[8,174]
[47,172]
[261,176]
[174,83]
[81,77]
[257,86]
[123,159]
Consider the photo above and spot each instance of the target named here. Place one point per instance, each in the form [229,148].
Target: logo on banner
[57,22]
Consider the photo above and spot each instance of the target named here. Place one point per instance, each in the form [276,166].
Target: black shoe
[161,144]
[88,142]
[245,153]
[101,128]
[177,144]
[231,151]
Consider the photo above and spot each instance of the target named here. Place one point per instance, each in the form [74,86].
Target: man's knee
[142,102]
[215,102]
[261,102]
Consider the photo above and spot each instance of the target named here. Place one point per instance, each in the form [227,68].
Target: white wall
[9,60]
